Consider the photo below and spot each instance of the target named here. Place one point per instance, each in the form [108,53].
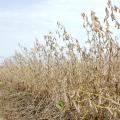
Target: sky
[22,21]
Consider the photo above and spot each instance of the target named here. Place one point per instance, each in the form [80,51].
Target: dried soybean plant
[102,84]
[61,80]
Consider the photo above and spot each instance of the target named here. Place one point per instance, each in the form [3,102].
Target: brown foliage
[62,81]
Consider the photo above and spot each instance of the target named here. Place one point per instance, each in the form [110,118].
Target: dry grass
[55,82]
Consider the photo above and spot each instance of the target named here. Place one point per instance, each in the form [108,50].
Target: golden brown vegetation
[62,81]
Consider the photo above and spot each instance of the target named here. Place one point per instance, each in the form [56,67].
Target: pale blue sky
[21,21]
